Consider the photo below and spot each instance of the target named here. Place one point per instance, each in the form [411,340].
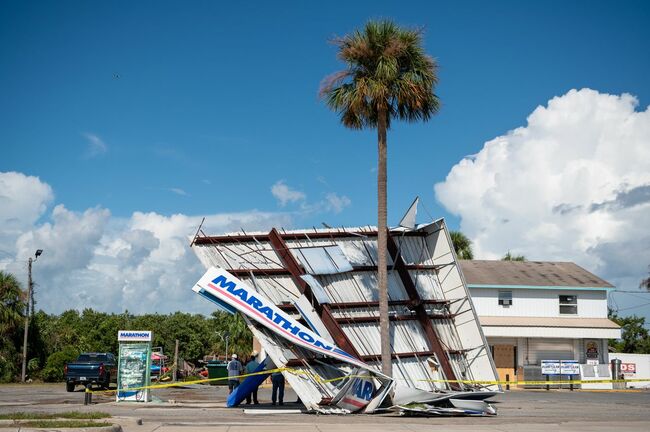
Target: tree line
[55,339]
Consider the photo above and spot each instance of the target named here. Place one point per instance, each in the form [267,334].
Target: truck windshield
[92,358]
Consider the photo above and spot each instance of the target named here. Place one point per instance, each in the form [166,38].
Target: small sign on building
[628,368]
[591,350]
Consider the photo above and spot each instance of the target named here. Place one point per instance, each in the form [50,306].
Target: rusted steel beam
[373,319]
[408,267]
[290,262]
[369,357]
[305,235]
[259,272]
[409,303]
[420,311]
[286,272]
[289,307]
[377,357]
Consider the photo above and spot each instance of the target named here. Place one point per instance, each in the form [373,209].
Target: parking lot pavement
[202,408]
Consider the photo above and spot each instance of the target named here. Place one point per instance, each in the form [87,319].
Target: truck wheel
[69,386]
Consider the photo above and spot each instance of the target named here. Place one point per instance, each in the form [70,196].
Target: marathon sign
[224,287]
[134,336]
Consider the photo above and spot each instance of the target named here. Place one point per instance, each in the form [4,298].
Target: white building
[532,311]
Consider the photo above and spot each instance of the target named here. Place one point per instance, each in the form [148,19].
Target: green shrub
[9,362]
[7,370]
[53,370]
[33,367]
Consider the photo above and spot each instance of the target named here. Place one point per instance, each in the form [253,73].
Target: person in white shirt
[235,369]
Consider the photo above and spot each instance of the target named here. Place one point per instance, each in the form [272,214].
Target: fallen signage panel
[327,279]
[357,391]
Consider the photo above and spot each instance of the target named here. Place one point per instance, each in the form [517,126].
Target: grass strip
[92,415]
[57,424]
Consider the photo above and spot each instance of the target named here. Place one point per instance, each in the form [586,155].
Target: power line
[633,307]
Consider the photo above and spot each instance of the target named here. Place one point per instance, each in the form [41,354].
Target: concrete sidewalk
[388,427]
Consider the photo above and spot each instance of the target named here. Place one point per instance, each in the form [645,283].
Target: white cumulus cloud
[23,200]
[572,184]
[142,263]
[285,194]
[336,203]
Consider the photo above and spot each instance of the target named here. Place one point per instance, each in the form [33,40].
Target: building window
[505,298]
[568,305]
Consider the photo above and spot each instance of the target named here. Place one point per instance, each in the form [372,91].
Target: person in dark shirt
[278,388]
[250,368]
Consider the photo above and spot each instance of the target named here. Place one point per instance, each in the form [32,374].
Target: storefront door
[504,360]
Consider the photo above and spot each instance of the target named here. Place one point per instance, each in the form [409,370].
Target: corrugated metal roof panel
[320,260]
[406,337]
[360,286]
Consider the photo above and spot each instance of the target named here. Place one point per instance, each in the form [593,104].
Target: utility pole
[29,298]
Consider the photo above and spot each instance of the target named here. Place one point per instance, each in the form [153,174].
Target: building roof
[502,321]
[529,274]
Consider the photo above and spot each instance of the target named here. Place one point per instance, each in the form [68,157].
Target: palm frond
[387,71]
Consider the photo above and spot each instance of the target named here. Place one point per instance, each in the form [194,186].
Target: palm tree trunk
[382,237]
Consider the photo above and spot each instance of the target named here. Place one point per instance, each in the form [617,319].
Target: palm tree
[511,257]
[645,283]
[388,76]
[462,245]
[11,303]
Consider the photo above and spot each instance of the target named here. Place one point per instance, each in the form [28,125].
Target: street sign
[550,367]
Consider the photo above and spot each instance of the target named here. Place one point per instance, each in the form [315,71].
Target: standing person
[234,370]
[278,387]
[250,368]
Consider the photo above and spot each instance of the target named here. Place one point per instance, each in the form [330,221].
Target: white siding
[538,303]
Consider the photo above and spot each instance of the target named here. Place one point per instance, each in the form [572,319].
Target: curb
[6,425]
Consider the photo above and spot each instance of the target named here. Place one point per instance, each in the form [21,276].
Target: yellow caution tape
[321,380]
[556,382]
[201,381]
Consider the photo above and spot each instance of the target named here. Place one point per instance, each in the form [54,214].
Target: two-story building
[532,311]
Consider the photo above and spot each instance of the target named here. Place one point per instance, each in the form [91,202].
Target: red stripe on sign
[354,402]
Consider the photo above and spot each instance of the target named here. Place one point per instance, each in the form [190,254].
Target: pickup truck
[91,368]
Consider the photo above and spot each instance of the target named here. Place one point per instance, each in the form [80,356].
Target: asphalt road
[203,408]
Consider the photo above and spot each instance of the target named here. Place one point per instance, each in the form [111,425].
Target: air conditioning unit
[505,302]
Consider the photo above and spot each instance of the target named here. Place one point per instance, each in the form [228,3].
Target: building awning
[580,328]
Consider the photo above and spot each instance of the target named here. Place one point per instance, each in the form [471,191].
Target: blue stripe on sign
[220,303]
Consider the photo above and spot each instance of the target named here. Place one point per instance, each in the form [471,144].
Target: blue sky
[228,94]
[199,108]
